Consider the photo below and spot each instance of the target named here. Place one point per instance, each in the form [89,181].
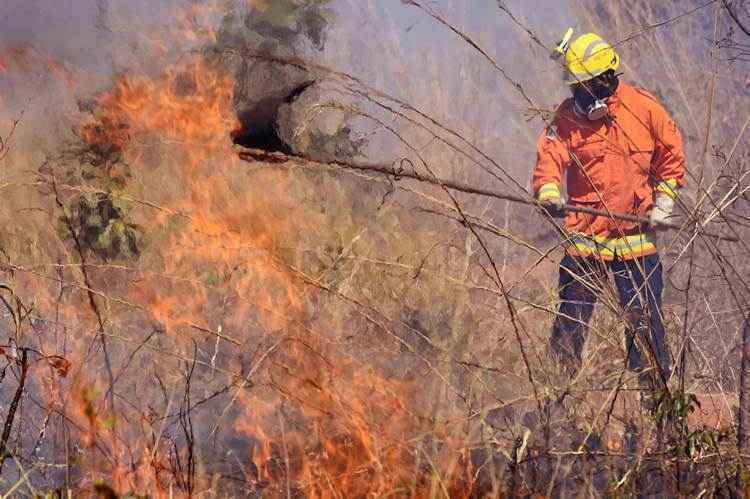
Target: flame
[25,60]
[190,105]
[333,427]
[19,58]
[175,131]
[212,293]
[317,419]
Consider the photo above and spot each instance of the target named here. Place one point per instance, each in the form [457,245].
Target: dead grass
[315,332]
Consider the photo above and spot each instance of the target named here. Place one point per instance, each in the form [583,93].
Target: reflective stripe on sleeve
[548,191]
[668,187]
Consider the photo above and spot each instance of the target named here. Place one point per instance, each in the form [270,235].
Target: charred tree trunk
[743,415]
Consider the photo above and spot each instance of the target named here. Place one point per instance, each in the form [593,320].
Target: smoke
[65,29]
[91,41]
[91,35]
[56,54]
[162,267]
[404,52]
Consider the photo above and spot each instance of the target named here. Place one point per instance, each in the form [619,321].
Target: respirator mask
[590,98]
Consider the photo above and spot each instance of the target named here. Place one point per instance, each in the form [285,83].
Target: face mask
[587,105]
[590,100]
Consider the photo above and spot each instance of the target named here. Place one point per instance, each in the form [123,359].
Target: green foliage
[287,20]
[672,411]
[101,228]
[95,169]
[699,441]
[674,406]
[279,22]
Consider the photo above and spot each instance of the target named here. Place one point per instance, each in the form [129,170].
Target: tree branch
[735,17]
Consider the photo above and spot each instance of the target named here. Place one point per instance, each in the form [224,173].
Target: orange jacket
[614,164]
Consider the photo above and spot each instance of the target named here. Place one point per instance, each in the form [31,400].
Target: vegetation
[187,317]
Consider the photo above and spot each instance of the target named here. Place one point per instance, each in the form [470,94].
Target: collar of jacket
[614,100]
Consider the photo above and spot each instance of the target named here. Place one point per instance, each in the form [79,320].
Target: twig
[10,417]
[89,291]
[218,334]
[24,478]
[5,143]
[735,17]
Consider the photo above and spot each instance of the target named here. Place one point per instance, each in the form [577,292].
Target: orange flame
[317,419]
[26,59]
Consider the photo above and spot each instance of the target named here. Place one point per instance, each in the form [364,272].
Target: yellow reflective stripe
[616,241]
[587,72]
[606,252]
[609,247]
[668,187]
[590,49]
[548,191]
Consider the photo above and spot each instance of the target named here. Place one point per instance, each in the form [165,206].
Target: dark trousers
[639,285]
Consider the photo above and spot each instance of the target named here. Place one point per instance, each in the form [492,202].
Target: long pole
[397,173]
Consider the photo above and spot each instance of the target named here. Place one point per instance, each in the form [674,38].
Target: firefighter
[618,151]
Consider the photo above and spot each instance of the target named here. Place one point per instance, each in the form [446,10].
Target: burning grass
[191,323]
[208,333]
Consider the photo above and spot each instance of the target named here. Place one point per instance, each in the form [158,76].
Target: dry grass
[290,330]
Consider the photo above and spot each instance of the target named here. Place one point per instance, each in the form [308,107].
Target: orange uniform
[614,164]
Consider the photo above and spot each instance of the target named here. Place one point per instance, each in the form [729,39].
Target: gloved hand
[555,207]
[661,212]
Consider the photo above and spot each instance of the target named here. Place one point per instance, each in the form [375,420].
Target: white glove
[661,212]
[555,207]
